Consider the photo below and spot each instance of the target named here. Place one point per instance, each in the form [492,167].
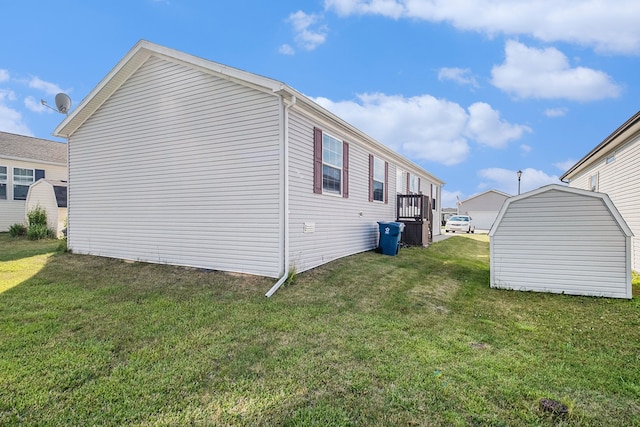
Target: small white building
[181,160]
[561,240]
[483,208]
[52,197]
[23,161]
[613,167]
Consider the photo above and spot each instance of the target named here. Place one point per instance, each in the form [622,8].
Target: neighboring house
[52,197]
[613,167]
[561,240]
[483,208]
[180,160]
[23,161]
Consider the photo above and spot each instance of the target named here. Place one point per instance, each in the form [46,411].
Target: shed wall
[41,193]
[562,243]
[179,166]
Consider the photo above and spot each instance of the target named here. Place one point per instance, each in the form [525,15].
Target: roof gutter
[285,197]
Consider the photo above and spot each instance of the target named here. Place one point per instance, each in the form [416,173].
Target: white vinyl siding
[180,166]
[560,242]
[342,226]
[620,180]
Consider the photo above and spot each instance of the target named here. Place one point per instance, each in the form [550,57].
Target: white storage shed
[561,240]
[51,195]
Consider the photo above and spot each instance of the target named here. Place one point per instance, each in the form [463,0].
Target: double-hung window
[330,164]
[378,177]
[414,184]
[22,179]
[3,183]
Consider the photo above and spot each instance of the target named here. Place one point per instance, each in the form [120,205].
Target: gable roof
[28,148]
[143,50]
[620,136]
[571,190]
[484,193]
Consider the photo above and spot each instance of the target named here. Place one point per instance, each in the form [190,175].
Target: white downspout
[285,195]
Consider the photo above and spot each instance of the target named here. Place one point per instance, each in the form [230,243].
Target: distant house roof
[21,147]
[617,138]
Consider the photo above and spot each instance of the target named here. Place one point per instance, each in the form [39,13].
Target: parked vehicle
[460,223]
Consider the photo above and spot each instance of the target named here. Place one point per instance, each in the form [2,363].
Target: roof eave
[615,139]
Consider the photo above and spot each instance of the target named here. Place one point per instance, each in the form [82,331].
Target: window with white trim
[399,186]
[22,179]
[3,183]
[331,164]
[413,184]
[593,182]
[378,179]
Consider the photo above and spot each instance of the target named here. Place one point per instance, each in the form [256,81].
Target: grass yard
[369,340]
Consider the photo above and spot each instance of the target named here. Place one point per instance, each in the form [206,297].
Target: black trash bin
[390,233]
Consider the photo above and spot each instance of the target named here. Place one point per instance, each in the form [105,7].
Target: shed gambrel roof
[143,50]
[570,190]
[627,130]
[27,148]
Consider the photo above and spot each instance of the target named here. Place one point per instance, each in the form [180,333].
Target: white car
[460,223]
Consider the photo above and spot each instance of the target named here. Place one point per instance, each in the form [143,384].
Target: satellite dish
[63,102]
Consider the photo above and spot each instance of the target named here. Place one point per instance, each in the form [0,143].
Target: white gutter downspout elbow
[285,195]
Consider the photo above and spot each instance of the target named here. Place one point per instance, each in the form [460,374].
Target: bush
[18,230]
[38,229]
[37,216]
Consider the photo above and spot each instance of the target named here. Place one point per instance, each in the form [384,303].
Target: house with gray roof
[23,161]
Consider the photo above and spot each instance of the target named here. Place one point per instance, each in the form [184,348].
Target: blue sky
[470,90]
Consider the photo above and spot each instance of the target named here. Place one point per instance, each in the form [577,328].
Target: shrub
[38,229]
[37,216]
[18,230]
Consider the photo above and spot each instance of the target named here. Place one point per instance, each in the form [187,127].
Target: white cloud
[486,126]
[461,76]
[308,35]
[450,198]
[595,23]
[4,76]
[11,121]
[34,105]
[286,49]
[425,127]
[46,87]
[546,73]
[526,149]
[565,165]
[507,180]
[555,112]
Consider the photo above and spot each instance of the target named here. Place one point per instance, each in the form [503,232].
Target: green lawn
[368,340]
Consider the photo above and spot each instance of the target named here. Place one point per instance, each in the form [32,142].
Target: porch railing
[413,207]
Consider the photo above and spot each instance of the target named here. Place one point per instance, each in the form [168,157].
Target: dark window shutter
[386,183]
[317,160]
[345,170]
[419,191]
[408,182]
[371,177]
[39,174]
